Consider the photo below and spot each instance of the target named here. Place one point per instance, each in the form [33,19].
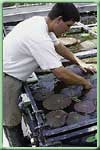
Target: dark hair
[68,11]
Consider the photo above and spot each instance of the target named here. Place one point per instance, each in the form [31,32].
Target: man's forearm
[70,78]
[66,53]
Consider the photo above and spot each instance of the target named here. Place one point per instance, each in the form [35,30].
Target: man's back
[23,45]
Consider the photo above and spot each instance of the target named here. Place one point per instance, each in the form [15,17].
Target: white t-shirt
[28,46]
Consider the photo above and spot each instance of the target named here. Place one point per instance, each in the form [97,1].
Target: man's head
[63,16]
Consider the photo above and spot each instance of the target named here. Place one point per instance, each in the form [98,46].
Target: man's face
[60,26]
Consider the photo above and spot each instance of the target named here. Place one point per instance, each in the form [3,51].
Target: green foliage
[8,4]
[92,138]
[76,99]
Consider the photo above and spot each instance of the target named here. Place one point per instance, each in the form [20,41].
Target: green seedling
[76,99]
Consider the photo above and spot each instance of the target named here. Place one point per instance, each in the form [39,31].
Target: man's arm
[70,78]
[66,53]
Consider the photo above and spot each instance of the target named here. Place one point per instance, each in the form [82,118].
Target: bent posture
[30,44]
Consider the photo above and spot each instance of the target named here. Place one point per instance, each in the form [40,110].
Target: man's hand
[87,67]
[66,53]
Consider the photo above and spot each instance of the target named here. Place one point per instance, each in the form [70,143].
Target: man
[34,43]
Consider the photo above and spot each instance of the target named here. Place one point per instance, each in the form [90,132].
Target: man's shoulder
[36,18]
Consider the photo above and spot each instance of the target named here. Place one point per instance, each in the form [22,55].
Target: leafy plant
[76,99]
[92,138]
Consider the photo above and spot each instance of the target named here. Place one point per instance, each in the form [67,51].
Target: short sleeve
[54,38]
[44,53]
